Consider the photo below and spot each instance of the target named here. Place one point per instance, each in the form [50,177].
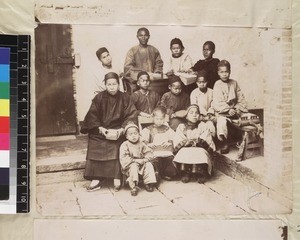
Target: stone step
[244,172]
[62,163]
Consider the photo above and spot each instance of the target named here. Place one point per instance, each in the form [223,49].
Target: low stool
[250,141]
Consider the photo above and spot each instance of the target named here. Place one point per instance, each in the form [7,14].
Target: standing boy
[143,57]
[209,64]
[180,62]
[103,68]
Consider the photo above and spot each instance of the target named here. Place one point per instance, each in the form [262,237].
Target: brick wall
[278,118]
[286,108]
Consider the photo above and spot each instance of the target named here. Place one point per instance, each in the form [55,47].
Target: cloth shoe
[134,191]
[149,188]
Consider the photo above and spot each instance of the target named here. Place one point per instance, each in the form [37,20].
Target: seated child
[135,160]
[159,137]
[179,61]
[175,101]
[228,102]
[145,100]
[203,96]
[209,64]
[194,146]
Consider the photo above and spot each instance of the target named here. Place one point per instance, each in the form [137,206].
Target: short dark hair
[161,109]
[211,44]
[100,51]
[143,29]
[202,73]
[224,63]
[176,41]
[111,75]
[142,73]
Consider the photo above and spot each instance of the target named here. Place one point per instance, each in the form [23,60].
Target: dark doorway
[55,105]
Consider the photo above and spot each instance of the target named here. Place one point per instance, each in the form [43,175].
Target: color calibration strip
[4,122]
[19,123]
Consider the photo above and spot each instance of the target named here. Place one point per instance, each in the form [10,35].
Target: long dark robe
[211,67]
[110,112]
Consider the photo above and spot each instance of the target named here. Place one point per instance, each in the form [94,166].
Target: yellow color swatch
[4,107]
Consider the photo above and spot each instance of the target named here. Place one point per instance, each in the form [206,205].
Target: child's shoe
[157,176]
[225,149]
[149,188]
[167,178]
[117,188]
[186,178]
[201,179]
[134,191]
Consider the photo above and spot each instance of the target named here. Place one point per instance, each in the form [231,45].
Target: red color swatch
[4,124]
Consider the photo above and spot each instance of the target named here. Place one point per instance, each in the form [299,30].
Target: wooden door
[55,105]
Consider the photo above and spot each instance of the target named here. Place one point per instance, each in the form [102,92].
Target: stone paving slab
[96,203]
[244,196]
[58,199]
[147,203]
[220,195]
[197,199]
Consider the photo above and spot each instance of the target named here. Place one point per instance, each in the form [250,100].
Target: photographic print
[162,121]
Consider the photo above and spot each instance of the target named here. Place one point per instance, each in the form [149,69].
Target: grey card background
[18,18]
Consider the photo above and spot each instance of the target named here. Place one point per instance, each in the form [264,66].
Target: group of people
[181,139]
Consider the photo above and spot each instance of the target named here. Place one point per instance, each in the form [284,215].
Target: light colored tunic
[141,58]
[186,134]
[180,64]
[203,100]
[98,78]
[131,151]
[228,95]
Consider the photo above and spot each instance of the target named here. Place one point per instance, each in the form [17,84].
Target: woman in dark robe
[105,121]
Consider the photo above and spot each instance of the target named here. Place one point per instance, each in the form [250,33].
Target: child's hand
[232,112]
[173,115]
[238,112]
[152,145]
[169,73]
[143,114]
[189,143]
[190,71]
[139,161]
[166,144]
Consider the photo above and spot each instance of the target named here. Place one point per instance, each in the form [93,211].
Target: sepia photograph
[164,121]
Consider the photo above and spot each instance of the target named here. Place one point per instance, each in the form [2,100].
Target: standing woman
[105,121]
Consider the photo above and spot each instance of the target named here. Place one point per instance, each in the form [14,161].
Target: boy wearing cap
[179,61]
[135,159]
[145,100]
[103,68]
[209,64]
[143,57]
[175,101]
